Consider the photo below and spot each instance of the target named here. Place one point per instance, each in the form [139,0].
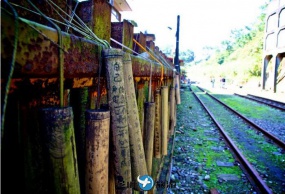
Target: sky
[202,22]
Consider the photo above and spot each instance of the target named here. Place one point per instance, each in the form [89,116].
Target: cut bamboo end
[97,151]
[58,129]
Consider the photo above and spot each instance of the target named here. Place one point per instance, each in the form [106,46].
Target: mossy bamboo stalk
[157,125]
[172,106]
[140,101]
[164,119]
[149,134]
[78,100]
[58,129]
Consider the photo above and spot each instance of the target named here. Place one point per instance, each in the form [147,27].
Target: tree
[187,56]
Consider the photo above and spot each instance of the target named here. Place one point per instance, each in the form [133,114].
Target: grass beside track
[195,156]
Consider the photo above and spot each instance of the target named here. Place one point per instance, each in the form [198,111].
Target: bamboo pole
[136,143]
[57,125]
[177,89]
[119,123]
[79,102]
[149,134]
[141,100]
[172,111]
[97,151]
[175,115]
[164,119]
[157,125]
[112,185]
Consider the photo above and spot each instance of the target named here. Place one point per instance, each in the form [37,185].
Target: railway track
[202,160]
[260,156]
[269,102]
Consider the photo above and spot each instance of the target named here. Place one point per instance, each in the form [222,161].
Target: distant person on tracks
[223,82]
[213,82]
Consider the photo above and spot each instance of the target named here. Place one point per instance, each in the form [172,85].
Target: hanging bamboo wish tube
[177,89]
[119,123]
[164,119]
[157,125]
[149,134]
[97,151]
[136,144]
[58,129]
[172,111]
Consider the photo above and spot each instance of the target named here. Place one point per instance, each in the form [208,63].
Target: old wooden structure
[73,117]
[274,47]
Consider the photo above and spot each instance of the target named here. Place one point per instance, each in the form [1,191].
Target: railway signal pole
[176,59]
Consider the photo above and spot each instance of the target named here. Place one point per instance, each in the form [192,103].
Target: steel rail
[251,170]
[279,102]
[255,98]
[264,131]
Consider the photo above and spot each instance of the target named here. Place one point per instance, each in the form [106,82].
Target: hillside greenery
[238,58]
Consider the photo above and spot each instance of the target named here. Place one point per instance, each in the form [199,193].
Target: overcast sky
[202,22]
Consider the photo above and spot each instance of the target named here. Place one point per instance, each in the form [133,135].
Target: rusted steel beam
[37,55]
[141,68]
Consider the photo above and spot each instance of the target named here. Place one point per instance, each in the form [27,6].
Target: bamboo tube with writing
[119,125]
[58,129]
[136,143]
[97,151]
[164,119]
[157,125]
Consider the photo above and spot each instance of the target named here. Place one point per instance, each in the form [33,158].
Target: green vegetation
[238,58]
[198,141]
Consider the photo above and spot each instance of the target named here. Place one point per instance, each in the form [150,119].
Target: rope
[104,43]
[72,15]
[160,57]
[124,46]
[76,28]
[137,54]
[162,66]
[79,27]
[7,87]
[61,59]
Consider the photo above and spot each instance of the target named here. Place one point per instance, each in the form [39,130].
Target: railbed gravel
[198,148]
[266,157]
[274,122]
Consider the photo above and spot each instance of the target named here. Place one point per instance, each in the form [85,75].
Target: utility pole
[176,59]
